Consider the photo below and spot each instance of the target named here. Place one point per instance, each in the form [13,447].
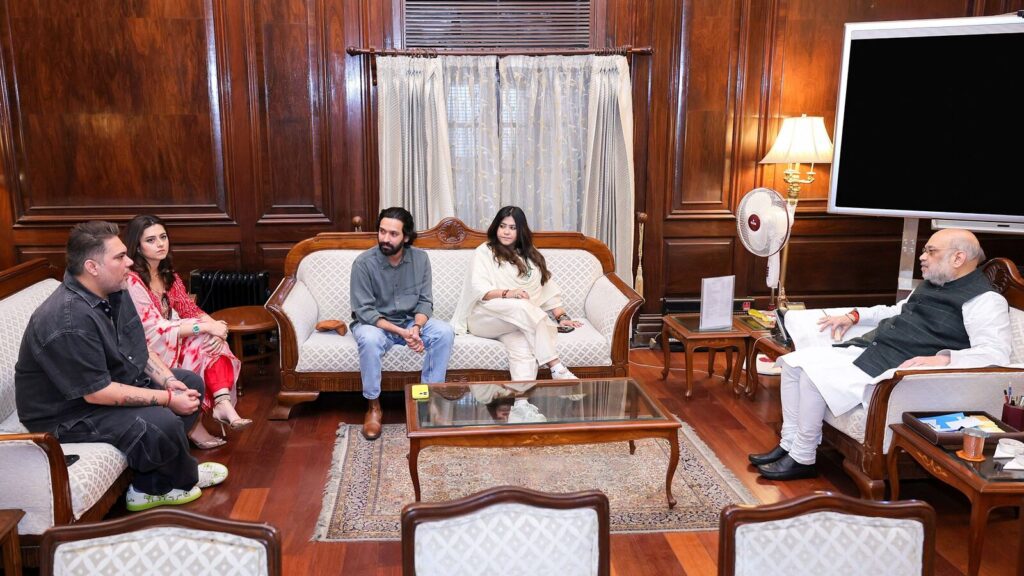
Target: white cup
[1011,446]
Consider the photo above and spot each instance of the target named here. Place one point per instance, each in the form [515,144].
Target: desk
[981,482]
[245,320]
[9,545]
[685,328]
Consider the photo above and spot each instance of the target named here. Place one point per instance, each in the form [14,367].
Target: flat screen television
[930,121]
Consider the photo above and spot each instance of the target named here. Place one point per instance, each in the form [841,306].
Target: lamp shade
[801,140]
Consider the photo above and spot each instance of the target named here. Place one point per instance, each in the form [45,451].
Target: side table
[9,545]
[245,320]
[686,328]
[984,484]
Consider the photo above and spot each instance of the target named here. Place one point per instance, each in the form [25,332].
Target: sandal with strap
[235,425]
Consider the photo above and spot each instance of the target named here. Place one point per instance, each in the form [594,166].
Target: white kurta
[844,386]
[485,275]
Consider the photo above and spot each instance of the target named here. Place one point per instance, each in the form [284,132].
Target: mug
[974,443]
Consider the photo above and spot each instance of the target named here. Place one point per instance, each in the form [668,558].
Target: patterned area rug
[369,481]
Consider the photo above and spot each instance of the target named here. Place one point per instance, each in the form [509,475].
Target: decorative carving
[998,277]
[451,232]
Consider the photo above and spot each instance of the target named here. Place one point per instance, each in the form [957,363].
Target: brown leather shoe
[371,424]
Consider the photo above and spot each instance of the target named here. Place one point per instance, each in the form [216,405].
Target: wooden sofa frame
[449,234]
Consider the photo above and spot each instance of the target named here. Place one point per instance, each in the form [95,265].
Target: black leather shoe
[786,468]
[767,457]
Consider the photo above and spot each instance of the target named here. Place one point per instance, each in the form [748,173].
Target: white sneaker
[137,501]
[524,412]
[211,474]
[562,373]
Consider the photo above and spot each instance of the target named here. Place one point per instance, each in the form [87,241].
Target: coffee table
[686,328]
[587,411]
[985,484]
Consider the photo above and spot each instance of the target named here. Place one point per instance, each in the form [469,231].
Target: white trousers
[528,337]
[803,412]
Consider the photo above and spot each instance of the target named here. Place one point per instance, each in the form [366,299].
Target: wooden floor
[278,471]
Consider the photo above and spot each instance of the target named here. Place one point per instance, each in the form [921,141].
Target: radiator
[217,289]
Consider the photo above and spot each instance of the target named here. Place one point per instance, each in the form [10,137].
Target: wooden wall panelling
[292,133]
[691,259]
[103,120]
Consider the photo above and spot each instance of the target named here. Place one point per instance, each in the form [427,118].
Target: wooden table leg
[711,361]
[976,535]
[11,550]
[752,381]
[689,369]
[1020,542]
[741,354]
[673,461]
[665,351]
[892,463]
[414,471]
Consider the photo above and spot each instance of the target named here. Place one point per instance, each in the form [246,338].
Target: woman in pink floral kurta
[179,331]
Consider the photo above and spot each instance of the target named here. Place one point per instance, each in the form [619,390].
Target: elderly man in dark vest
[952,319]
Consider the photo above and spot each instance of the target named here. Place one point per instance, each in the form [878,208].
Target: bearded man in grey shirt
[392,303]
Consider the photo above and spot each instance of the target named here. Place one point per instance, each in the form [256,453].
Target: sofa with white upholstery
[316,288]
[863,436]
[33,473]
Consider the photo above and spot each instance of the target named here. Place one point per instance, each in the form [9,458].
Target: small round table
[243,321]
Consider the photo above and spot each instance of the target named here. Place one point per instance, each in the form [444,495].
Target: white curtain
[608,184]
[471,97]
[544,104]
[412,127]
[555,137]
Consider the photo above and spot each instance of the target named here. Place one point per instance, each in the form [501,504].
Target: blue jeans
[373,343]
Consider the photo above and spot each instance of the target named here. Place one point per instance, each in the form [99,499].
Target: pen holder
[1013,415]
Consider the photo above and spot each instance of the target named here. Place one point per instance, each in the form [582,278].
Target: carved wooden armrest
[878,405]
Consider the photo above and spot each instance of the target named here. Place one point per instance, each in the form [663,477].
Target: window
[497,24]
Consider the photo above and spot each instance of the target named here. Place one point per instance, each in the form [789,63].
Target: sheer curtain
[412,126]
[471,97]
[544,104]
[608,185]
[567,147]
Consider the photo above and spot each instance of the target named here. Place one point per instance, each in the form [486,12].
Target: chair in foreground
[162,542]
[827,533]
[508,530]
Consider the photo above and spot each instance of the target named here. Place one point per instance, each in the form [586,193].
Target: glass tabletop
[992,469]
[545,402]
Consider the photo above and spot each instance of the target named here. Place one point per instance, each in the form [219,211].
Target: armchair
[163,542]
[863,436]
[33,474]
[508,530]
[827,533]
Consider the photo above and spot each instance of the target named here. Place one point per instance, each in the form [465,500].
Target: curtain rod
[434,53]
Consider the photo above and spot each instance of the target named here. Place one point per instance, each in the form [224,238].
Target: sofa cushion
[89,478]
[98,467]
[15,310]
[326,274]
[328,352]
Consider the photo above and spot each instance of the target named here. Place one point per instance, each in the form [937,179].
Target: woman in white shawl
[507,297]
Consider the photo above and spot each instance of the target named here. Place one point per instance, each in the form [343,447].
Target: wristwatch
[195,329]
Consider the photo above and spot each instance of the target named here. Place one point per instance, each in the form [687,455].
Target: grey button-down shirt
[73,347]
[396,293]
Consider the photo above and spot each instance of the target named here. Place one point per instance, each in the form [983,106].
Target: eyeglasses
[929,251]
